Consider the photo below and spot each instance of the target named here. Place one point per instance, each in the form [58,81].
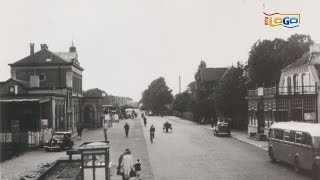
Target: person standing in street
[126,165]
[79,130]
[126,128]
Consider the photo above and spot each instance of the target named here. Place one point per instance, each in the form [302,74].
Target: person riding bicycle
[152,130]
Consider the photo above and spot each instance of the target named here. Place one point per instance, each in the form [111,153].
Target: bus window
[306,139]
[286,135]
[298,137]
[278,134]
[292,136]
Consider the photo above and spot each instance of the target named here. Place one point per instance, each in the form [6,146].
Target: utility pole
[179,84]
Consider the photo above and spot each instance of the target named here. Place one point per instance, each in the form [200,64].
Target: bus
[296,143]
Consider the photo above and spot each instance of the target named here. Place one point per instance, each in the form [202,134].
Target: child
[137,168]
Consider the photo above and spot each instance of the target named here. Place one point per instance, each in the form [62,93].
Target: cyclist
[152,130]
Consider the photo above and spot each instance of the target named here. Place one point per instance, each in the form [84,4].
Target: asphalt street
[192,152]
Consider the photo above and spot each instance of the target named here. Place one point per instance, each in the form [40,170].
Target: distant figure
[145,121]
[137,169]
[126,128]
[211,122]
[79,130]
[126,165]
[152,131]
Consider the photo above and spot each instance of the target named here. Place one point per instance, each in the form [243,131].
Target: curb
[243,140]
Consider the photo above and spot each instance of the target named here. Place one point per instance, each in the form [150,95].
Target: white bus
[297,144]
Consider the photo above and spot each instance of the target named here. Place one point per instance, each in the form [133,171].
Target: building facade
[44,92]
[295,98]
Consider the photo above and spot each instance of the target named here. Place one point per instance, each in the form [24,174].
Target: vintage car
[59,141]
[222,128]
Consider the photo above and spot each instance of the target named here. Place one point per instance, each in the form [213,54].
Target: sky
[125,44]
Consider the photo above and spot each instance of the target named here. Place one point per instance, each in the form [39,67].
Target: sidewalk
[135,142]
[239,135]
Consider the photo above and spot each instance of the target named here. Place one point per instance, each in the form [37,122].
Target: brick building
[44,91]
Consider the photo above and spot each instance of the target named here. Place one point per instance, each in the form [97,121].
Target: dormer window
[11,89]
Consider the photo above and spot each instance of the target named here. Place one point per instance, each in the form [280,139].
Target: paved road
[192,152]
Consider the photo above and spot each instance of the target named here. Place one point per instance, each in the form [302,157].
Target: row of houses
[45,92]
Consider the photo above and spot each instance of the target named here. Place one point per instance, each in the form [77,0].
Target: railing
[31,139]
[291,90]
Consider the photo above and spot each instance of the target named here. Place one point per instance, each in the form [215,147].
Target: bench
[72,152]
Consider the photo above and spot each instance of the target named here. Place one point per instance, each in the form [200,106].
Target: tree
[182,102]
[230,96]
[157,96]
[267,58]
[200,93]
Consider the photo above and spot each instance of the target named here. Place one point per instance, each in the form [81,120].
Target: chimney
[43,46]
[31,48]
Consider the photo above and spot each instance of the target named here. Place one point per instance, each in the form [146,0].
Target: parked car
[59,141]
[222,128]
[150,113]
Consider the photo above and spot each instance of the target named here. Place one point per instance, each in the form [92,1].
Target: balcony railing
[290,90]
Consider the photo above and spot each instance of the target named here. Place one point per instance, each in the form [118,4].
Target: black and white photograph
[159,90]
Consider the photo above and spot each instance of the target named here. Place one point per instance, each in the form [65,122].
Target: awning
[43,100]
[18,100]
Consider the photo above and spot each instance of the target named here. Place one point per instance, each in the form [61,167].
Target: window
[286,135]
[42,77]
[295,83]
[298,137]
[289,85]
[306,139]
[271,133]
[278,134]
[292,136]
[11,89]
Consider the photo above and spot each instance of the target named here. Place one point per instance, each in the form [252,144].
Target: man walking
[152,130]
[126,128]
[145,121]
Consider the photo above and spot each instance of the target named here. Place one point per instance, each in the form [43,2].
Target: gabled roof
[42,57]
[212,74]
[23,83]
[94,93]
[309,58]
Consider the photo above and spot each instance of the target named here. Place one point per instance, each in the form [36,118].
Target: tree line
[226,97]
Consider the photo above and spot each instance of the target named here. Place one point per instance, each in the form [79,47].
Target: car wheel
[296,165]
[271,155]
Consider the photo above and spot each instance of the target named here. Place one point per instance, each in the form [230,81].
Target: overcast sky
[124,44]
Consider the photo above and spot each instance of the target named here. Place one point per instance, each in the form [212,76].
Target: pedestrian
[211,122]
[126,128]
[126,165]
[137,169]
[79,130]
[120,161]
[145,121]
[152,131]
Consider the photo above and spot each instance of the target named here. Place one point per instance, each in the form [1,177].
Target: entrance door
[297,115]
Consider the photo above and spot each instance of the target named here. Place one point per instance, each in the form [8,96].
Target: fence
[31,139]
